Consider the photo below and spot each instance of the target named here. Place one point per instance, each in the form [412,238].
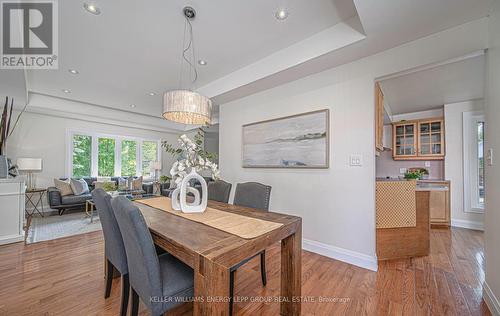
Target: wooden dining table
[212,253]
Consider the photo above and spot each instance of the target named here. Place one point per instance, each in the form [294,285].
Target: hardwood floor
[65,276]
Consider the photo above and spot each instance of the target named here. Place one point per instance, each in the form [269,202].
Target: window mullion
[118,157]
[138,158]
[95,153]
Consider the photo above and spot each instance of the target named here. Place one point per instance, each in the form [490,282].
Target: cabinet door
[379,118]
[438,204]
[405,140]
[431,138]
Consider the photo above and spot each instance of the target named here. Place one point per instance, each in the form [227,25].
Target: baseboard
[337,253]
[491,300]
[467,224]
[11,239]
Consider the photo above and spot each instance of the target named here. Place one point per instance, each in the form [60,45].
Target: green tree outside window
[106,157]
[128,158]
[149,154]
[82,156]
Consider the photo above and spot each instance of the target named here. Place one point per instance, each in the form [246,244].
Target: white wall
[454,162]
[492,128]
[337,205]
[44,136]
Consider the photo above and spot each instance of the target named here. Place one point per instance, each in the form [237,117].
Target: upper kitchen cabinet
[418,140]
[379,119]
[404,140]
[431,136]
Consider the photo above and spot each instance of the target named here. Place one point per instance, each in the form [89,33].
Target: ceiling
[133,48]
[434,86]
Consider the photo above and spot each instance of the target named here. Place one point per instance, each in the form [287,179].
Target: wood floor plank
[65,277]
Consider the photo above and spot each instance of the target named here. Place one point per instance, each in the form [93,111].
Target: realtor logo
[29,35]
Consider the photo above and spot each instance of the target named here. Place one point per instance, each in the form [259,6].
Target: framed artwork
[297,141]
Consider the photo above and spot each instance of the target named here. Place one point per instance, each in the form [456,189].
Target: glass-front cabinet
[405,140]
[419,139]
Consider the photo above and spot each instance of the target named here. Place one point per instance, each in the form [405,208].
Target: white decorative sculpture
[176,205]
[196,206]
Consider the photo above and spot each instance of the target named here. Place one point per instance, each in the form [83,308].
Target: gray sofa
[62,203]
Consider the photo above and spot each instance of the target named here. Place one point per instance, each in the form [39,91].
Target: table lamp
[155,167]
[30,165]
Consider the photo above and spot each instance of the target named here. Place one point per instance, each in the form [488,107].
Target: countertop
[425,185]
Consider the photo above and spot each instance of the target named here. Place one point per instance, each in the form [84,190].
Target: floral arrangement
[191,155]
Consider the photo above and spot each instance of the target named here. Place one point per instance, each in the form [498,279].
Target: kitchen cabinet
[419,140]
[404,140]
[439,202]
[379,118]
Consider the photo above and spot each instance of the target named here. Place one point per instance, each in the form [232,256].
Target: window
[149,155]
[106,157]
[473,147]
[82,155]
[90,154]
[129,158]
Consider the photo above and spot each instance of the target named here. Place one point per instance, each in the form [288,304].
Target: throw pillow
[63,186]
[79,187]
[122,184]
[137,184]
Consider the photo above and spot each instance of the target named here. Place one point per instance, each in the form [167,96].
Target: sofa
[62,203]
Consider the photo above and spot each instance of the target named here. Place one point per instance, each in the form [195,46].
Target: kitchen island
[405,212]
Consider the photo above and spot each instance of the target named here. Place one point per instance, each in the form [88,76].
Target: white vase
[197,206]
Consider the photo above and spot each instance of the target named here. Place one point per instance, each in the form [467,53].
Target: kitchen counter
[429,186]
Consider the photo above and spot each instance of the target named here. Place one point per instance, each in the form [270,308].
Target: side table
[89,209]
[34,200]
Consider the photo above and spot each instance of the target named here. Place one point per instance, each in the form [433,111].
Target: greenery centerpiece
[190,155]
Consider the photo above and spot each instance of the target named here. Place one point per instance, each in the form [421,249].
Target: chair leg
[109,278]
[125,295]
[263,267]
[231,292]
[135,303]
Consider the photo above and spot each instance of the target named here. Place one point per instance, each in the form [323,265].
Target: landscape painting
[298,141]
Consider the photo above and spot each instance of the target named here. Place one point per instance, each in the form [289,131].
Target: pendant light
[183,105]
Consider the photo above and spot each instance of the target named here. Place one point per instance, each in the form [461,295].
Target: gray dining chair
[219,191]
[114,250]
[162,282]
[254,195]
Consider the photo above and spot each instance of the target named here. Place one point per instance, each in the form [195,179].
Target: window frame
[471,161]
[95,151]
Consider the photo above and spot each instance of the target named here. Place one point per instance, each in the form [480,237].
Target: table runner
[239,225]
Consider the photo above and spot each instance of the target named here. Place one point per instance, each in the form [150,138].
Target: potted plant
[6,130]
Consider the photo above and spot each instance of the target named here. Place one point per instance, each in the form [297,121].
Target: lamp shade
[187,107]
[29,164]
[155,165]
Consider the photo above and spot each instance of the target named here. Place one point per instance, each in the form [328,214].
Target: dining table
[212,252]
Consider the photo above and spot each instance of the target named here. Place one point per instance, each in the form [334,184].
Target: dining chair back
[143,263]
[114,249]
[162,282]
[219,191]
[252,194]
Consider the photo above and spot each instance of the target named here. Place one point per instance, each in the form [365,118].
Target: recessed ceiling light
[73,71]
[66,90]
[152,94]
[281,14]
[132,105]
[202,62]
[92,8]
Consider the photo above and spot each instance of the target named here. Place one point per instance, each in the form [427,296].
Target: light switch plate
[402,170]
[427,164]
[356,160]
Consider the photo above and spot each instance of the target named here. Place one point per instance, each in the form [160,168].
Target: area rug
[55,226]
